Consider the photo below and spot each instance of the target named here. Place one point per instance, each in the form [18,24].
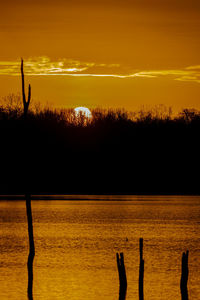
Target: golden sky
[108,53]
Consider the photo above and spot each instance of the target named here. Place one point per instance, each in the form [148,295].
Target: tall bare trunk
[25,103]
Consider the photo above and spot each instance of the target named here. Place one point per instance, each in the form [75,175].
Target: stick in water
[122,276]
[184,276]
[141,272]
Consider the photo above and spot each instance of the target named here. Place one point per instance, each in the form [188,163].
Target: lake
[76,240]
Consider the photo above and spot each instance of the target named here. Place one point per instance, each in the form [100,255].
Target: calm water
[76,244]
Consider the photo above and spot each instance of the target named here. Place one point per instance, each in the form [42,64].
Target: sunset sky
[108,53]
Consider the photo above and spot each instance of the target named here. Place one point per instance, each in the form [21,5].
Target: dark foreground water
[76,244]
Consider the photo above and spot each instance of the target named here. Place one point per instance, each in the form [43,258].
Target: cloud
[191,74]
[43,66]
[189,78]
[197,67]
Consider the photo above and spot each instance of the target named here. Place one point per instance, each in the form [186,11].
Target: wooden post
[141,271]
[31,248]
[184,276]
[122,276]
[25,103]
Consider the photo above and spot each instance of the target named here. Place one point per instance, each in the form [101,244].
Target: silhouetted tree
[28,199]
[25,103]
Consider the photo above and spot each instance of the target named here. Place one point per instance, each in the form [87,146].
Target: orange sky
[114,53]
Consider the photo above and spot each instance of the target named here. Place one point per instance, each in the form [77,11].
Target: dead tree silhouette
[122,276]
[25,103]
[28,198]
[184,276]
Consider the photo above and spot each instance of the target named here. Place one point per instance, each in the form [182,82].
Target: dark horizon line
[45,196]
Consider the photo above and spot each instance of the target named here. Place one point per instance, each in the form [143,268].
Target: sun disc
[84,111]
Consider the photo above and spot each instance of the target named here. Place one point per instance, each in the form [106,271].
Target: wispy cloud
[197,67]
[43,66]
[189,78]
[191,73]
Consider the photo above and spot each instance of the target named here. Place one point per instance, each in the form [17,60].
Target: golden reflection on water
[76,243]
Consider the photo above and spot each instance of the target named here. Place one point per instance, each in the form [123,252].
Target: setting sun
[83,111]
